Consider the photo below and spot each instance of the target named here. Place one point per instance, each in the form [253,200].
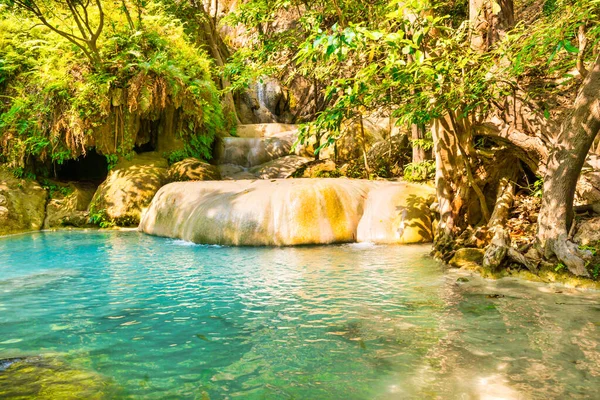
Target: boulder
[22,204]
[319,169]
[588,232]
[280,168]
[192,169]
[467,258]
[69,205]
[128,189]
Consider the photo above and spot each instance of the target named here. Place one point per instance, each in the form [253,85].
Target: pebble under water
[161,318]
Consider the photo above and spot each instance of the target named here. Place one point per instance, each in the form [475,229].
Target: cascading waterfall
[290,212]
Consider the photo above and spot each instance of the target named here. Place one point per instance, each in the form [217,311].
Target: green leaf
[569,47]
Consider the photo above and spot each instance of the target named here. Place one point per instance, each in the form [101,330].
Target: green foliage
[176,156]
[55,104]
[595,271]
[537,188]
[112,160]
[560,267]
[99,218]
[419,172]
[56,190]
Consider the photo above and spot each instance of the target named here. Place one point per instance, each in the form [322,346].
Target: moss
[471,260]
[51,378]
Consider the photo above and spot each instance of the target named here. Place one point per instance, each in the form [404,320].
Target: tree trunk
[363,145]
[562,172]
[489,22]
[418,134]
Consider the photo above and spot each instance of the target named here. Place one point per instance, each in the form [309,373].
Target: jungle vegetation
[503,93]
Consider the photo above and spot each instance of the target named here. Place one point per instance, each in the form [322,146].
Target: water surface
[160,318]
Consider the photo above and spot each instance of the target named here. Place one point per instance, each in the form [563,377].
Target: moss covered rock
[468,258]
[192,169]
[128,189]
[22,204]
[48,378]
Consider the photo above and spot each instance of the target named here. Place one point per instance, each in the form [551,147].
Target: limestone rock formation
[192,169]
[129,188]
[280,168]
[397,213]
[22,204]
[288,212]
[319,169]
[250,152]
[70,208]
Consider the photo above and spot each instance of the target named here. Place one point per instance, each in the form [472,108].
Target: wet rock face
[250,152]
[71,207]
[129,188]
[50,378]
[192,169]
[290,212]
[22,204]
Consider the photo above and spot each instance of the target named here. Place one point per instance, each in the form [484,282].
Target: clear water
[161,318]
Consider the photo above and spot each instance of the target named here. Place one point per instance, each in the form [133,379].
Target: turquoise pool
[161,318]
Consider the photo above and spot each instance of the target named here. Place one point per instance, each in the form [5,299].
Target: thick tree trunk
[562,172]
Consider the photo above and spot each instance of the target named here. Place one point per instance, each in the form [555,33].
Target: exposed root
[569,254]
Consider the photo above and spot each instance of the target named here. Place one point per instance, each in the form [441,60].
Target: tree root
[569,254]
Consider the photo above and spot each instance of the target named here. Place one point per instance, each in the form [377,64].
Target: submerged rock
[130,187]
[50,378]
[286,212]
[22,204]
[192,169]
[70,208]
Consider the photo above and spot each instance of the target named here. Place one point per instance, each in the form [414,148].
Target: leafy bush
[419,172]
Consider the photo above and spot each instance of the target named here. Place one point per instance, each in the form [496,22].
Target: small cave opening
[147,137]
[144,148]
[92,167]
